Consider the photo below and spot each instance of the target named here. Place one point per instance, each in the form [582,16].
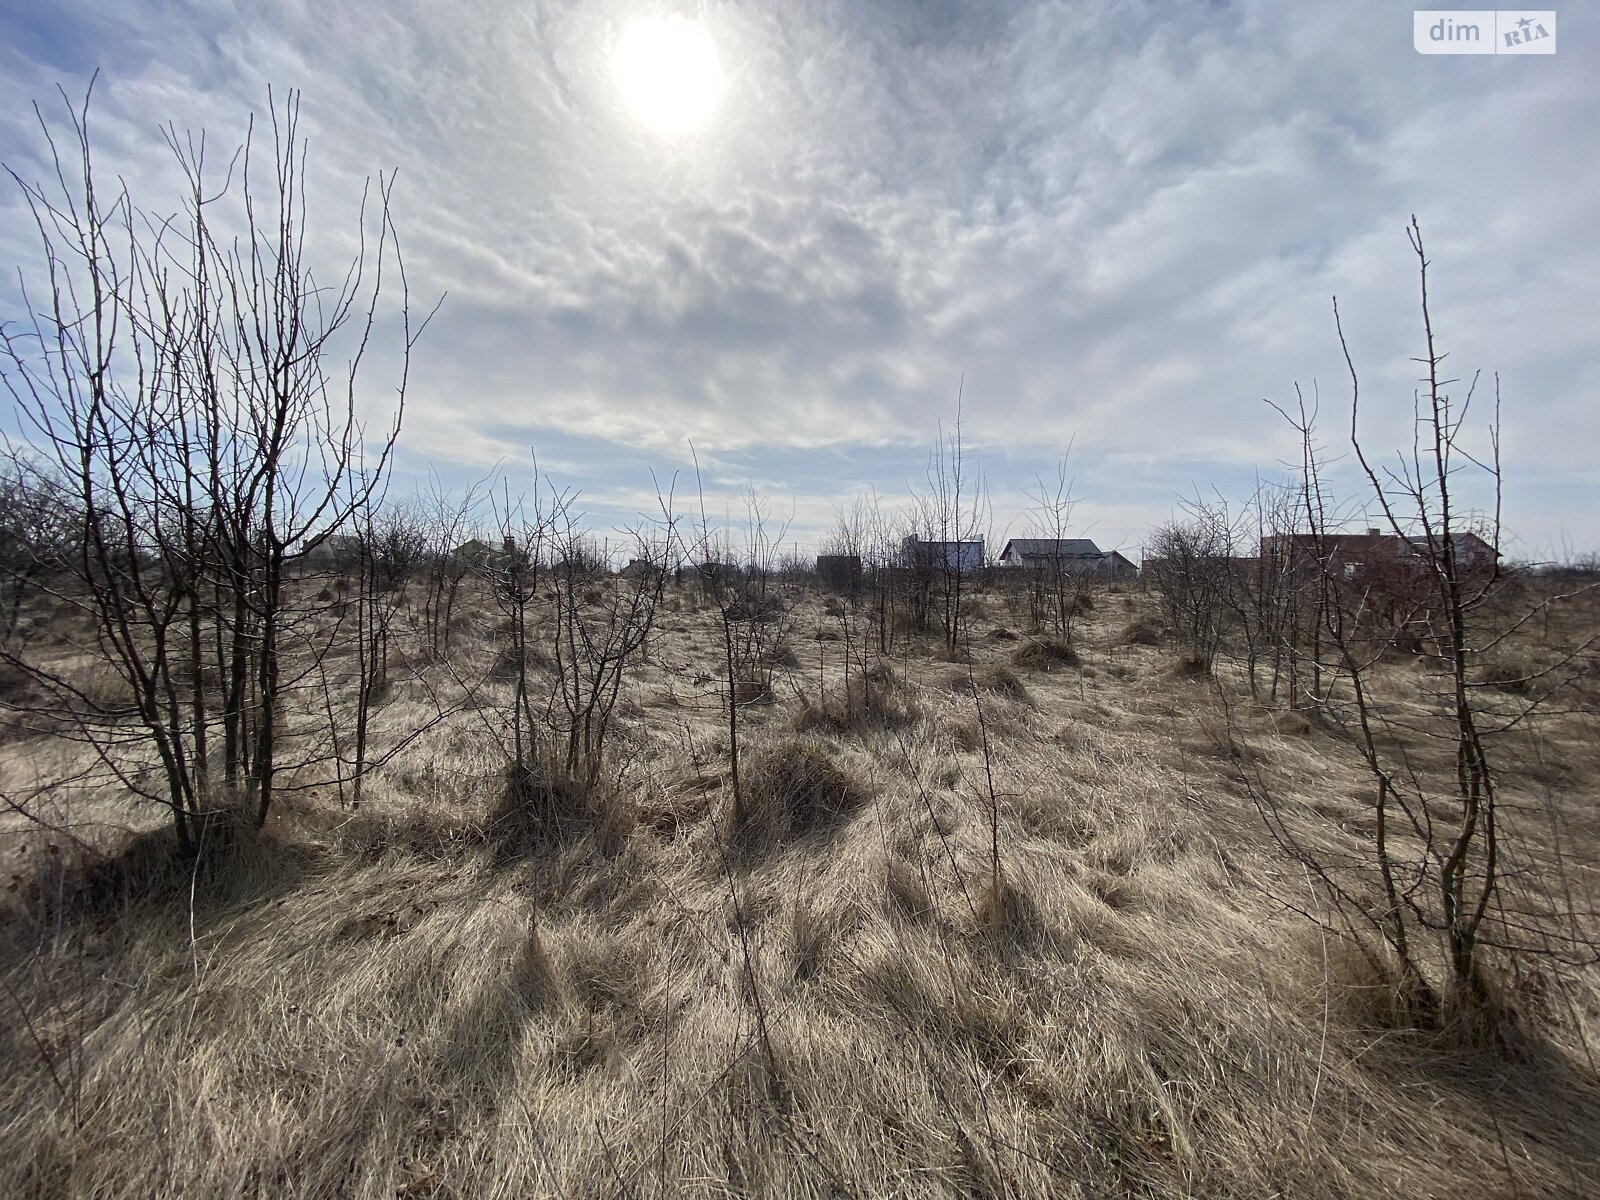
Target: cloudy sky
[1119,223]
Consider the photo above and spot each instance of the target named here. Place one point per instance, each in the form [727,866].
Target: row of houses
[1348,554]
[1351,555]
[1068,556]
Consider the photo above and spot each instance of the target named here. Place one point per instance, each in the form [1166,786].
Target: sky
[1113,230]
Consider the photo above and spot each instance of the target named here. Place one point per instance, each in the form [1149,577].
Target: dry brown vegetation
[826,993]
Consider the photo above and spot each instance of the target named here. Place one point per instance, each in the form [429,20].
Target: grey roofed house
[1076,556]
[479,552]
[1023,551]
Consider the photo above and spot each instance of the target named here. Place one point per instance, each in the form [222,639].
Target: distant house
[1119,566]
[1372,552]
[639,568]
[1392,574]
[337,550]
[1071,556]
[481,554]
[839,572]
[962,557]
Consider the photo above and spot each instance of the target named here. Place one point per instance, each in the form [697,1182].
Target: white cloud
[1121,222]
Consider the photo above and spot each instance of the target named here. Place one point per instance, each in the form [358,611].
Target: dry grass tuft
[793,786]
[369,835]
[482,984]
[966,734]
[1360,985]
[781,655]
[504,667]
[232,859]
[1008,914]
[990,677]
[1292,723]
[760,608]
[1506,674]
[874,701]
[1045,654]
[541,807]
[753,691]
[1141,631]
[906,892]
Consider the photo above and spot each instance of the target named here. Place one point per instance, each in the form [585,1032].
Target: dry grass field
[424,998]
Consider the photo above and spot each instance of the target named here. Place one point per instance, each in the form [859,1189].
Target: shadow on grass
[236,866]
[1538,1104]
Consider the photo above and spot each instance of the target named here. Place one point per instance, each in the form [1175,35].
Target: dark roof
[1464,541]
[1051,548]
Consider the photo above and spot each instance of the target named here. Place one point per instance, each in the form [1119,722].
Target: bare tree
[751,614]
[1437,850]
[36,536]
[952,517]
[387,549]
[1188,561]
[449,522]
[602,624]
[178,381]
[1057,587]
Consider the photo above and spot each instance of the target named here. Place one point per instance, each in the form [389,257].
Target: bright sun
[668,72]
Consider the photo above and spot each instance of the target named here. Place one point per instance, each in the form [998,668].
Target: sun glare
[667,70]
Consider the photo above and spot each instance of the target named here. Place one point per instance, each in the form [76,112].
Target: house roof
[1051,548]
[1462,540]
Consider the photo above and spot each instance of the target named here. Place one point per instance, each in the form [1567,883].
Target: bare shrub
[1189,562]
